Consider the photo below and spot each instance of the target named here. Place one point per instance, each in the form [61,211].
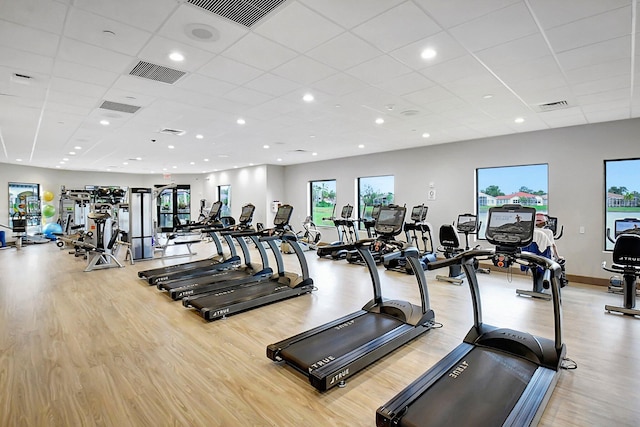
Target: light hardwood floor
[105,349]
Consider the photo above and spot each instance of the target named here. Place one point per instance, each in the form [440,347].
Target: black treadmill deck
[486,383]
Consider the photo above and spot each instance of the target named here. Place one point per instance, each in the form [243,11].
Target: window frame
[319,222]
[609,222]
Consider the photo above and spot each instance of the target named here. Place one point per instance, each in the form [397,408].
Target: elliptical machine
[626,261]
[420,247]
[347,235]
[450,246]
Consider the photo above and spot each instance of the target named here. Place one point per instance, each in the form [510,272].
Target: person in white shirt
[544,237]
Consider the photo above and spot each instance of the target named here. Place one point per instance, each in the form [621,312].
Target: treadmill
[497,376]
[422,246]
[210,265]
[332,353]
[276,287]
[214,214]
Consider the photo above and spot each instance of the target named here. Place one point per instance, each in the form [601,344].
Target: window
[24,204]
[323,201]
[527,185]
[622,183]
[224,196]
[374,190]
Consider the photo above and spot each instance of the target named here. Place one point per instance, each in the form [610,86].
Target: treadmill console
[347,210]
[375,211]
[511,226]
[214,211]
[467,223]
[247,214]
[390,220]
[627,226]
[283,216]
[419,213]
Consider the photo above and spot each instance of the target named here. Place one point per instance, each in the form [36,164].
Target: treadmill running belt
[486,383]
[339,340]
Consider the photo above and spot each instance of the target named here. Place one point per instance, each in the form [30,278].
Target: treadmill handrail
[467,258]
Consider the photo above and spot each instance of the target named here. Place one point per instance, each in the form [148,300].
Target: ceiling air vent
[243,12]
[170,131]
[116,106]
[550,106]
[146,70]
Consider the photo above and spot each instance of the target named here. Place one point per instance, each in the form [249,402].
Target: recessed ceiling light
[487,96]
[192,163]
[66,159]
[174,167]
[426,135]
[138,158]
[206,160]
[314,154]
[18,160]
[125,163]
[215,170]
[308,97]
[428,53]
[72,153]
[379,120]
[224,156]
[265,146]
[519,120]
[235,167]
[176,56]
[164,169]
[104,122]
[250,164]
[279,159]
[108,170]
[57,166]
[77,147]
[361,146]
[62,163]
[199,136]
[241,121]
[170,147]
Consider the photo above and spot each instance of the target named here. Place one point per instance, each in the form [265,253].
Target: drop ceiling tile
[606,87]
[48,16]
[93,56]
[379,69]
[552,14]
[607,51]
[258,52]
[339,84]
[272,85]
[449,13]
[580,33]
[27,39]
[397,27]
[353,12]
[75,87]
[344,51]
[454,69]
[306,29]
[141,14]
[564,121]
[516,51]
[304,70]
[247,96]
[24,62]
[498,27]
[229,70]
[192,25]
[445,46]
[601,70]
[128,97]
[405,84]
[83,73]
[203,84]
[105,33]
[73,99]
[527,69]
[157,51]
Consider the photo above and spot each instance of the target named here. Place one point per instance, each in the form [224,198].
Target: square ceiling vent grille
[243,12]
[159,73]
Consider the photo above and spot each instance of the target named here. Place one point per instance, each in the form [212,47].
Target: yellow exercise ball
[48,196]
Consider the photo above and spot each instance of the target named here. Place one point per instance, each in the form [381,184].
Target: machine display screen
[375,211]
[511,226]
[283,215]
[347,210]
[247,213]
[467,223]
[627,225]
[393,217]
[419,213]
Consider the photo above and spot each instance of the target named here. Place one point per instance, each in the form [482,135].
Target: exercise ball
[49,230]
[48,211]
[48,196]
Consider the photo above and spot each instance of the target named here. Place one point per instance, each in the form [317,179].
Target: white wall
[575,157]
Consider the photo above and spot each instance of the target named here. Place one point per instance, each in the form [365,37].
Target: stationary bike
[626,261]
[450,246]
